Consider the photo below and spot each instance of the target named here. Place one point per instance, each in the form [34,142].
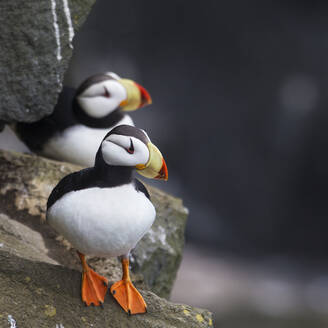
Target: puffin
[73,132]
[104,211]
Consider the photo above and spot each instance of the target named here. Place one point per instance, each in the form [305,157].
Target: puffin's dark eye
[106,94]
[130,150]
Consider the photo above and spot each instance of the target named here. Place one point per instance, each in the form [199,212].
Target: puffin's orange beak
[156,167]
[163,173]
[137,96]
[145,96]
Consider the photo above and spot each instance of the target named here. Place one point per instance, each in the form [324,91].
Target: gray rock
[38,294]
[35,47]
[20,240]
[158,255]
[25,184]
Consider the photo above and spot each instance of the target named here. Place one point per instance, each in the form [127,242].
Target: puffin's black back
[114,176]
[67,113]
[36,134]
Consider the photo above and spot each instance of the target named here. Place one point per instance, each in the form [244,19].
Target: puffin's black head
[128,146]
[101,94]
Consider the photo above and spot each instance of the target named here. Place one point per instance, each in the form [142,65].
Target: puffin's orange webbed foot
[94,286]
[126,294]
[128,297]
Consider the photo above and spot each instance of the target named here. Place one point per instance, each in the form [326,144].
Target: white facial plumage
[100,99]
[122,150]
[113,75]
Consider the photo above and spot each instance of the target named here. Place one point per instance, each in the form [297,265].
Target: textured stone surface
[37,294]
[158,254]
[35,47]
[25,184]
[21,240]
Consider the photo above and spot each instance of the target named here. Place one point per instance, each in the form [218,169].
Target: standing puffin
[75,129]
[104,211]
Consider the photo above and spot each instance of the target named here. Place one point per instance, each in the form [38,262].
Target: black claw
[85,304]
[114,291]
[101,305]
[129,312]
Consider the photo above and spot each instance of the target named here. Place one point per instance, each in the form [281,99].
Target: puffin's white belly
[103,221]
[79,143]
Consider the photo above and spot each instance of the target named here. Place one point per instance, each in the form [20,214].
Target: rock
[25,184]
[35,47]
[38,294]
[158,255]
[20,240]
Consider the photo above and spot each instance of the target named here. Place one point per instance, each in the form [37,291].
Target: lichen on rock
[59,303]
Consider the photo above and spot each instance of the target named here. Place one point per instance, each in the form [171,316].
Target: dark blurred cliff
[239,93]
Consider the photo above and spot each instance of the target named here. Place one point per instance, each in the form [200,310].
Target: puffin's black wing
[72,182]
[87,178]
[140,187]
[35,134]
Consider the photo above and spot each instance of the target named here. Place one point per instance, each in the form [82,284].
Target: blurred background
[239,111]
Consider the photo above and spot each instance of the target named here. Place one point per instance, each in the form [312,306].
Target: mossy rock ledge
[38,294]
[39,271]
